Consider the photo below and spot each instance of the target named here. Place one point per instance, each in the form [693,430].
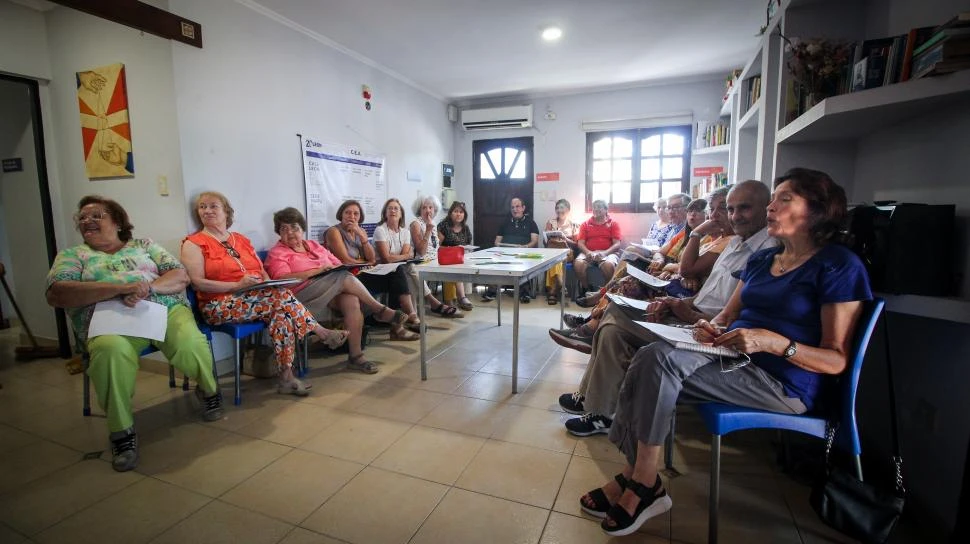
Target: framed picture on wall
[102,97]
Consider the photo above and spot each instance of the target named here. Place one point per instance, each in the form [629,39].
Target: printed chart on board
[335,173]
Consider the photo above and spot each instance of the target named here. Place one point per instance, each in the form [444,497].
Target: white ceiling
[461,50]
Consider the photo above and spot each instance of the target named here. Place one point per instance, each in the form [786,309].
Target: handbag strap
[897,457]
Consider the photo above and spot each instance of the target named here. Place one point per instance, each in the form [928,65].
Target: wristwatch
[695,234]
[790,350]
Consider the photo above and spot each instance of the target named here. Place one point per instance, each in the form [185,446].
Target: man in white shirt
[618,338]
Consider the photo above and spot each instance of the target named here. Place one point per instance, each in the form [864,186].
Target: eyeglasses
[290,228]
[721,208]
[84,218]
[230,250]
[733,364]
[676,208]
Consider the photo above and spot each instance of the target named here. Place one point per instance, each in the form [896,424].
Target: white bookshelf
[863,139]
[713,150]
[749,120]
[853,115]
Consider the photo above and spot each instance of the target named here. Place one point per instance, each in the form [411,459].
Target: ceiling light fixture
[552,33]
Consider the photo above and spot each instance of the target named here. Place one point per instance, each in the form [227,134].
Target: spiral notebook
[683,338]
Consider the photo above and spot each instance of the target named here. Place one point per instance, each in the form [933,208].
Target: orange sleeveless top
[220,265]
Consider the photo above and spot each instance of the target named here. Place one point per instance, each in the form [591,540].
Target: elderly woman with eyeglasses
[453,231]
[424,236]
[324,289]
[111,264]
[225,271]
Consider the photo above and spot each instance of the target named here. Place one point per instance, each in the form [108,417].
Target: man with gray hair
[618,338]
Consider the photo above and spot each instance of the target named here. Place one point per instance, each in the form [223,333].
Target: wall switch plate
[550,115]
[163,185]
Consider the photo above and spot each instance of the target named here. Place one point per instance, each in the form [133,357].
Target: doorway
[27,242]
[501,170]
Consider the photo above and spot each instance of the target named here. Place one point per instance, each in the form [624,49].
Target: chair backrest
[262,254]
[194,303]
[847,437]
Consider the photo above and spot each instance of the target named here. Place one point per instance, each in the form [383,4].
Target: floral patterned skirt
[286,318]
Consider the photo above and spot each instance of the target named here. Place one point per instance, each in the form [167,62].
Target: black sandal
[651,505]
[445,310]
[601,504]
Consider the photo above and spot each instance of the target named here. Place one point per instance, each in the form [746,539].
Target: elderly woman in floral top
[109,265]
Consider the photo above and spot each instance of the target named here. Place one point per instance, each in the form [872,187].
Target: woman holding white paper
[226,272]
[112,265]
[323,289]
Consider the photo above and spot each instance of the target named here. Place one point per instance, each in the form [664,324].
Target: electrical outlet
[163,185]
[550,116]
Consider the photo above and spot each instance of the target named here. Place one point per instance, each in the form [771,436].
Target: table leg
[498,303]
[562,304]
[423,328]
[515,338]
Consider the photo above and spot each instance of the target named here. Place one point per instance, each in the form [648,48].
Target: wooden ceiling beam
[141,16]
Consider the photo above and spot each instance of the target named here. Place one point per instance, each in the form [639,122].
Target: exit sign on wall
[547,176]
[704,171]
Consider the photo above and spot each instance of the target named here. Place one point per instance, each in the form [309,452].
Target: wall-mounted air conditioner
[492,118]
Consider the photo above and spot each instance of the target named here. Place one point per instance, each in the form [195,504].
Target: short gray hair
[418,202]
[720,192]
[684,198]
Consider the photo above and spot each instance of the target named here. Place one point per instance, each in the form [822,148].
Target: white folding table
[497,266]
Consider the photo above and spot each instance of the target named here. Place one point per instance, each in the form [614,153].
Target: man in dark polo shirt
[519,231]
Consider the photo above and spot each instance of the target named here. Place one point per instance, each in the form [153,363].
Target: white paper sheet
[626,301]
[383,269]
[649,280]
[145,320]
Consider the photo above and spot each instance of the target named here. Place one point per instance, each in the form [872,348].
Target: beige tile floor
[364,459]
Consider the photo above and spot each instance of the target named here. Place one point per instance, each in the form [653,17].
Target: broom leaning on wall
[34,350]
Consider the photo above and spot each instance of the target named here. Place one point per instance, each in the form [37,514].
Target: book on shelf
[940,34]
[915,38]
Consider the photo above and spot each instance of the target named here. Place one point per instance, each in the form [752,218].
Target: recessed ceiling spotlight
[552,33]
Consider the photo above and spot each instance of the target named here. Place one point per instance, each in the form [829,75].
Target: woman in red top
[222,265]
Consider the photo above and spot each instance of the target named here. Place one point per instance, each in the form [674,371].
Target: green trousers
[114,364]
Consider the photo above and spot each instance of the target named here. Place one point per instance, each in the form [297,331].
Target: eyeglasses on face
[676,208]
[290,228]
[85,217]
[230,250]
[721,208]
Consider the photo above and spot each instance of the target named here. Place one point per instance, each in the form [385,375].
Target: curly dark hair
[347,204]
[827,203]
[117,213]
[288,216]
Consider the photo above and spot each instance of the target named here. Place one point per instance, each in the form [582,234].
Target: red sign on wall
[704,171]
[547,176]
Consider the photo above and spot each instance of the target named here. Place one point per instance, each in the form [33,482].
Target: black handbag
[851,506]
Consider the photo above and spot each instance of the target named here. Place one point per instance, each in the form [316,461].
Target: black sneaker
[488,295]
[588,425]
[524,298]
[576,339]
[574,320]
[124,450]
[211,406]
[572,403]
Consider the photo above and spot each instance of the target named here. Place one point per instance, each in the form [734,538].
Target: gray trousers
[661,375]
[615,342]
[316,296]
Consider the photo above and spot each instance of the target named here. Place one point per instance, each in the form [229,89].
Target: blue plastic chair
[237,331]
[722,419]
[86,361]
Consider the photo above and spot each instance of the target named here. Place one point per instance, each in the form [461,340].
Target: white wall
[23,36]
[560,145]
[78,41]
[257,83]
[23,247]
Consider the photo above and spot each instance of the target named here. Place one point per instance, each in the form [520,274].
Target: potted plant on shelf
[817,66]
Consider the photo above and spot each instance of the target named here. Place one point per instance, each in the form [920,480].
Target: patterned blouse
[463,238]
[137,260]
